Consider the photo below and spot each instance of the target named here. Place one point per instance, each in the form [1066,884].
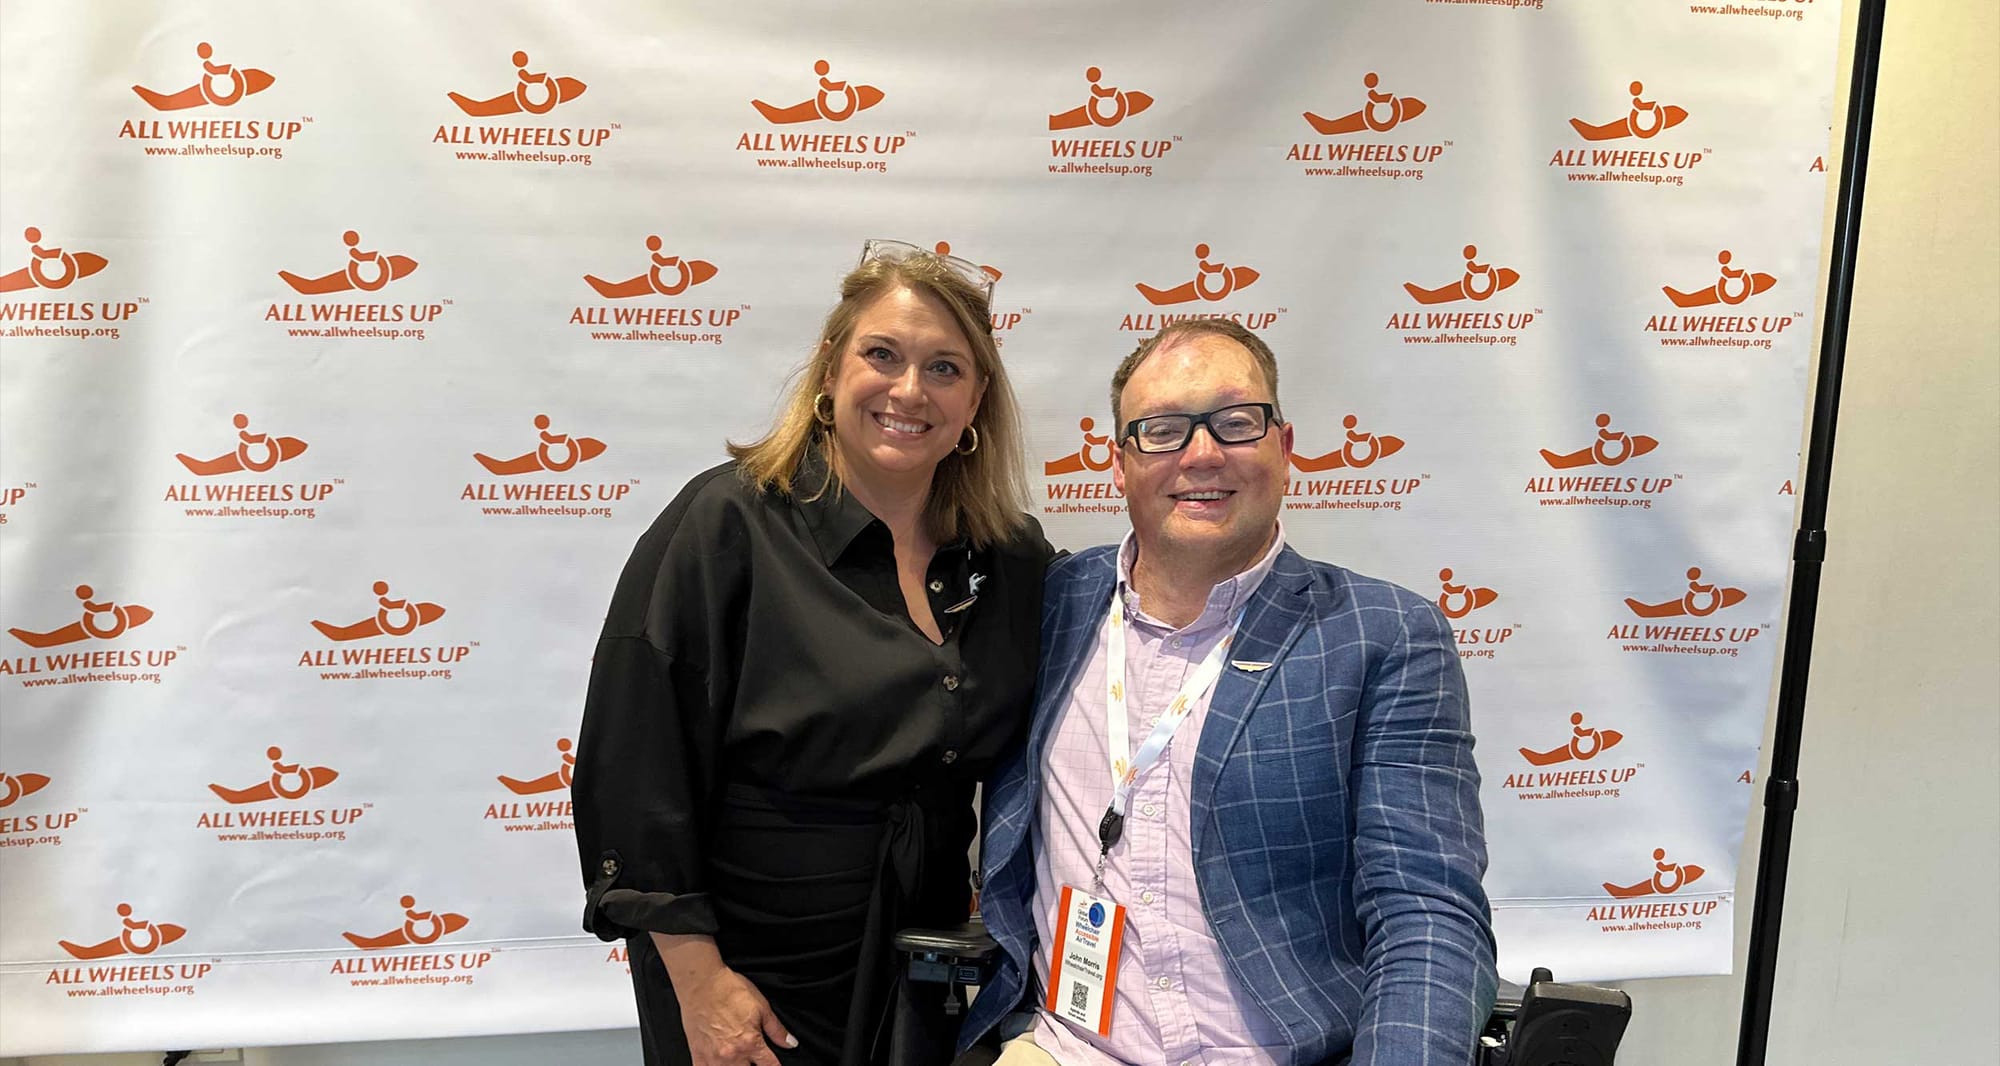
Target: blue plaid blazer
[1338,842]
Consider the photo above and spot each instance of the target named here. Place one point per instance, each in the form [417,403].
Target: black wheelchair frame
[1550,1025]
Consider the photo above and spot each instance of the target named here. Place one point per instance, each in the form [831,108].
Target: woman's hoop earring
[823,415]
[962,449]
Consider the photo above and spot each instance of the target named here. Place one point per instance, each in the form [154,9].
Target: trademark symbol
[1177,137]
[633,481]
[617,125]
[446,301]
[1027,310]
[1423,477]
[30,485]
[1538,310]
[145,299]
[180,647]
[367,806]
[909,133]
[307,119]
[472,644]
[83,810]
[743,307]
[1447,144]
[1284,310]
[340,481]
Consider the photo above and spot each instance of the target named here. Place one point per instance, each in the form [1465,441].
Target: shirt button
[951,682]
[1152,809]
[1164,983]
[610,867]
[951,756]
[937,586]
[1146,896]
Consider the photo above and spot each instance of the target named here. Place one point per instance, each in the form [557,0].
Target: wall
[1892,948]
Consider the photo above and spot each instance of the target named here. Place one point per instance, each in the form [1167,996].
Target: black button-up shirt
[761,639]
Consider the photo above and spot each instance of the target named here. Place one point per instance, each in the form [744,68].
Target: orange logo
[1121,106]
[1479,282]
[1083,458]
[1609,449]
[19,786]
[554,781]
[221,84]
[1645,119]
[686,274]
[1584,744]
[1359,451]
[366,271]
[852,100]
[256,452]
[1699,601]
[1212,281]
[536,94]
[1382,112]
[574,450]
[104,621]
[991,274]
[393,618]
[1668,878]
[419,927]
[75,266]
[1733,287]
[136,938]
[288,781]
[1457,601]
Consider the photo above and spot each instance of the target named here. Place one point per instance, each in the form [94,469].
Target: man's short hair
[1183,330]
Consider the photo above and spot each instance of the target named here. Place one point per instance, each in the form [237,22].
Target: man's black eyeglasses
[1238,423]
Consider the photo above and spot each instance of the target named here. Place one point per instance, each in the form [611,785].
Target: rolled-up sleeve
[641,792]
[1421,852]
[650,752]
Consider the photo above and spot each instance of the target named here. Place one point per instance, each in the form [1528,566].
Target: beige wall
[1892,945]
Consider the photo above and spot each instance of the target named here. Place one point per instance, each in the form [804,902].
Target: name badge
[1083,969]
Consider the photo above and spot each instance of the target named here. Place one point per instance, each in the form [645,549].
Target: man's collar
[1228,596]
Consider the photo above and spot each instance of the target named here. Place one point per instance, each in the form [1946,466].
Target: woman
[812,656]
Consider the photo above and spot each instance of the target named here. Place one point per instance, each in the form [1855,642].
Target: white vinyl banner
[345,350]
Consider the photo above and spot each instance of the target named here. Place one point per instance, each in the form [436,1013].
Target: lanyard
[1125,766]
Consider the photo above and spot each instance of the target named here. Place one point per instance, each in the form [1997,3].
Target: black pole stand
[1781,792]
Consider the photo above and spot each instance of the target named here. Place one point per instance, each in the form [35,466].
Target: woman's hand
[727,1021]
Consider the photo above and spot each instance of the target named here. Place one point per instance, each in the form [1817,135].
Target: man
[1294,877]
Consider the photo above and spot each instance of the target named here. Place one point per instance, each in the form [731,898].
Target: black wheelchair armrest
[1556,1025]
[963,955]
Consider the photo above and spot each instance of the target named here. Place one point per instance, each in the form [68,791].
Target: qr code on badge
[1079,996]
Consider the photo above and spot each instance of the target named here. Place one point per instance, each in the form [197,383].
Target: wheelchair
[1549,1025]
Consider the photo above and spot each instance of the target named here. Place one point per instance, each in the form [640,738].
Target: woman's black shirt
[758,639]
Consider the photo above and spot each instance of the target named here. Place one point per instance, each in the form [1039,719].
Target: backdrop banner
[348,348]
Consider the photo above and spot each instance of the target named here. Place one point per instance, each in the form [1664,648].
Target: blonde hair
[979,496]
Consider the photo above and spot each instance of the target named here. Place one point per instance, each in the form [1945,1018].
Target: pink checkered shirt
[1176,1001]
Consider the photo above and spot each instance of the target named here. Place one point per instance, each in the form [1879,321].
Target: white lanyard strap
[1126,767]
